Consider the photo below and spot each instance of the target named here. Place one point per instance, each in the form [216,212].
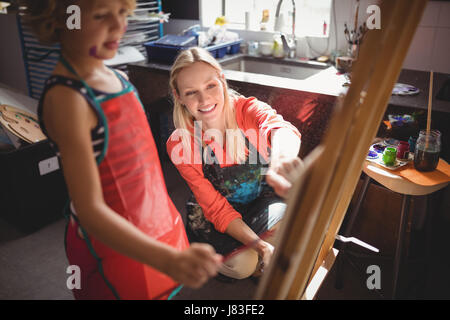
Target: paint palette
[376,155]
[398,163]
[21,123]
[402,89]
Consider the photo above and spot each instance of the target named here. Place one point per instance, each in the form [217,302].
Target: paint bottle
[389,156]
[264,20]
[402,150]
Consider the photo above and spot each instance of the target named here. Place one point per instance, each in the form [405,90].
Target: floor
[33,266]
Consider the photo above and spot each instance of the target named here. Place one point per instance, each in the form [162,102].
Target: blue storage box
[167,54]
[177,41]
[220,50]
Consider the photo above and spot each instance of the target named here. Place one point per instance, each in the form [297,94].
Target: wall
[431,44]
[429,49]
[12,69]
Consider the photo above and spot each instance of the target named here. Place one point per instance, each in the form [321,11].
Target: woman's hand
[195,265]
[265,251]
[282,174]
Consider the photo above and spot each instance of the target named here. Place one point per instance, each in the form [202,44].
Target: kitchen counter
[421,80]
[306,103]
[418,104]
[327,82]
[13,97]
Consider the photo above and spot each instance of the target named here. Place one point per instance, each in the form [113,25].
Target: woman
[223,146]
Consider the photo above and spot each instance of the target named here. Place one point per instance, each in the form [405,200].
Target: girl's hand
[195,265]
[265,251]
[282,174]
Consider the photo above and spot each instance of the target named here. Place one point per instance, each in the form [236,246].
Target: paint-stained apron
[133,186]
[245,188]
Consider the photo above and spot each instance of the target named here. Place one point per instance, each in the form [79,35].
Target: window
[312,17]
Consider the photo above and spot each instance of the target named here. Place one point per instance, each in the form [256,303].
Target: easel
[326,184]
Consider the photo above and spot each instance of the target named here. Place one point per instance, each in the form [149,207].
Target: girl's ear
[222,75]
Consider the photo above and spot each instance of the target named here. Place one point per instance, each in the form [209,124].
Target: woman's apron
[245,188]
[133,186]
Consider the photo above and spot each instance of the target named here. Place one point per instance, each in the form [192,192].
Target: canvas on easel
[326,183]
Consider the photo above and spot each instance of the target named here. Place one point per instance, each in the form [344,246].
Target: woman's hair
[48,17]
[184,120]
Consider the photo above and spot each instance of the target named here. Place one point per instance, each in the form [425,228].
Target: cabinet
[182,9]
[30,198]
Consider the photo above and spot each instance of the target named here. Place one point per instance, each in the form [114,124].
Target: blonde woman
[228,148]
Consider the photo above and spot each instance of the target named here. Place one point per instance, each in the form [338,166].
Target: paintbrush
[249,245]
[430,101]
[356,19]
[228,256]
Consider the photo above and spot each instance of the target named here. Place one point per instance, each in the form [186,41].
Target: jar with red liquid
[402,150]
[428,147]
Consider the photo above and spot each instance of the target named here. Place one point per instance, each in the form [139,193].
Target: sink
[293,74]
[286,68]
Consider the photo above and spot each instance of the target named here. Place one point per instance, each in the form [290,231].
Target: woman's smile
[208,109]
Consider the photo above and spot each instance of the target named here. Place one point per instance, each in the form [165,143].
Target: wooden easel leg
[339,281]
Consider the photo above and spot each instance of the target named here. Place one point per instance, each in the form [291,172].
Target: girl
[125,234]
[221,147]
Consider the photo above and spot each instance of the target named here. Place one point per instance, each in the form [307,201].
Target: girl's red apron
[133,186]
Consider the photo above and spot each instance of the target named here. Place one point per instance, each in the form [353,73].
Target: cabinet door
[182,9]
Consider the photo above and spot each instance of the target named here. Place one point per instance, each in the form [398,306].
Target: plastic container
[167,54]
[177,41]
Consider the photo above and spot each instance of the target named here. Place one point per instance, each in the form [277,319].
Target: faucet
[291,48]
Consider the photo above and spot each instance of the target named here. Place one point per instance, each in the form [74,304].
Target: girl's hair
[48,17]
[185,121]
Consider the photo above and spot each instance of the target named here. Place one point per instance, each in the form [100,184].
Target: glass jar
[428,147]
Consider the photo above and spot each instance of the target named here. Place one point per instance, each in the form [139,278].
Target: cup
[402,150]
[266,48]
[344,64]
[389,156]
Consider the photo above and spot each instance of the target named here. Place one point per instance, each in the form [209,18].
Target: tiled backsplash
[431,44]
[430,47]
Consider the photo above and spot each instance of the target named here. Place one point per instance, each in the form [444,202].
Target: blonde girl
[124,234]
